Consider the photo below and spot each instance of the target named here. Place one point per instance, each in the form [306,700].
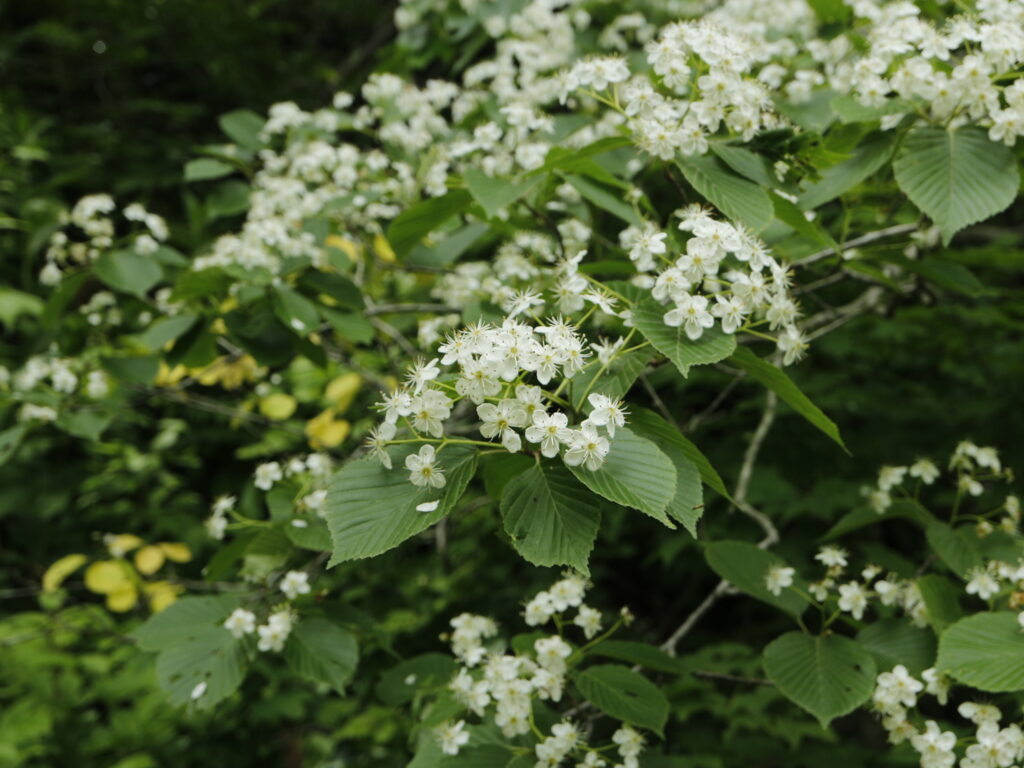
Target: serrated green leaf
[745,566]
[417,221]
[205,168]
[550,517]
[209,657]
[614,381]
[778,382]
[648,656]
[625,695]
[494,194]
[687,505]
[790,215]
[707,472]
[321,651]
[712,346]
[941,600]
[736,197]
[827,676]
[295,311]
[985,651]
[898,641]
[956,550]
[869,157]
[179,619]
[128,272]
[957,178]
[604,199]
[371,509]
[243,127]
[635,474]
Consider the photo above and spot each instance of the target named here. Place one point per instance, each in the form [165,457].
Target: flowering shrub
[434,301]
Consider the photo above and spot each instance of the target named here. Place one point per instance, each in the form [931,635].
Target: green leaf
[869,157]
[956,550]
[635,474]
[10,439]
[828,676]
[604,199]
[850,110]
[164,330]
[14,304]
[321,651]
[984,651]
[400,684]
[349,325]
[417,221]
[710,476]
[314,535]
[865,516]
[625,695]
[648,656]
[494,194]
[778,382]
[243,127]
[371,509]
[135,369]
[86,424]
[749,164]
[615,381]
[736,197]
[687,505]
[956,177]
[947,274]
[941,600]
[207,168]
[294,310]
[712,346]
[178,620]
[790,215]
[210,656]
[550,517]
[745,566]
[898,641]
[227,199]
[128,271]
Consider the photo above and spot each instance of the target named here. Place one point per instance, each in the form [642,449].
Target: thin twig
[695,421]
[387,309]
[389,330]
[870,237]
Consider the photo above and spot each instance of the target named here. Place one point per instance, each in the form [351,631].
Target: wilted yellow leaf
[149,559]
[122,543]
[123,599]
[346,246]
[324,431]
[105,577]
[161,594]
[278,406]
[384,249]
[342,391]
[230,374]
[60,570]
[175,551]
[168,377]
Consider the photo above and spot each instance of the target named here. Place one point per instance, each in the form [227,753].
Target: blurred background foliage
[114,96]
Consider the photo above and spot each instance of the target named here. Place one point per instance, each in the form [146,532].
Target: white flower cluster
[725,274]
[92,217]
[704,71]
[492,363]
[491,678]
[271,636]
[956,72]
[61,375]
[897,693]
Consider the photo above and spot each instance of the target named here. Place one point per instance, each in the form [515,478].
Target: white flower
[692,314]
[890,477]
[982,584]
[540,610]
[630,744]
[587,447]
[295,583]
[778,578]
[936,684]
[924,470]
[423,470]
[267,474]
[452,737]
[377,441]
[853,599]
[831,556]
[550,430]
[241,622]
[499,420]
[552,653]
[935,746]
[589,620]
[274,633]
[606,412]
